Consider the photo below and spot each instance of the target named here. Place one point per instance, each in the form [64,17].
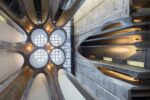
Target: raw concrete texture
[91,16]
[100,85]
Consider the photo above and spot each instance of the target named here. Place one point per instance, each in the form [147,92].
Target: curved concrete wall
[39,89]
[9,63]
[92,15]
[9,34]
[70,92]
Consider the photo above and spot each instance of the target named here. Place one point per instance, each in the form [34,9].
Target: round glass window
[39,37]
[39,58]
[58,38]
[57,56]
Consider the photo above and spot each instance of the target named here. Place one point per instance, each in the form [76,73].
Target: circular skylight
[57,56]
[38,58]
[39,37]
[58,38]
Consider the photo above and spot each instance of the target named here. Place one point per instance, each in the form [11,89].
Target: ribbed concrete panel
[99,84]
